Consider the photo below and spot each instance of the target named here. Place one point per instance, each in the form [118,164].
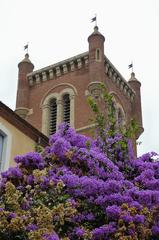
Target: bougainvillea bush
[73,191]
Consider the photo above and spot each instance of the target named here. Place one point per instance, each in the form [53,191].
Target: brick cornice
[75,63]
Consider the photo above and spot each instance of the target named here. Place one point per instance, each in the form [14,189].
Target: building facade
[57,93]
[16,137]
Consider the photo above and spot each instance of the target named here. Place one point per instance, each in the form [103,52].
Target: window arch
[53,116]
[55,112]
[66,108]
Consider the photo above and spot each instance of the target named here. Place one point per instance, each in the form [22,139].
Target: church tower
[56,93]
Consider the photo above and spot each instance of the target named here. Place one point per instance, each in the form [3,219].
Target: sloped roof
[22,125]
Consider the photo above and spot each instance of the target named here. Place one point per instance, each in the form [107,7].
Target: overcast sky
[57,30]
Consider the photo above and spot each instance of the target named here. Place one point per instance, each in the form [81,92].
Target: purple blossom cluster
[30,160]
[84,194]
[53,236]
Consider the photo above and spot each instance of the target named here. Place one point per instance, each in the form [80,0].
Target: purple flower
[127,218]
[103,232]
[25,205]
[155,230]
[139,219]
[60,147]
[11,215]
[32,227]
[113,212]
[79,232]
[31,160]
[30,180]
[52,236]
[90,217]
[12,172]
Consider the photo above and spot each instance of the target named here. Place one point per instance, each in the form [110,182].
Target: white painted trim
[7,147]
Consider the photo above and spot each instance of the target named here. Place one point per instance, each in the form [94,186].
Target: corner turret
[137,110]
[25,67]
[96,59]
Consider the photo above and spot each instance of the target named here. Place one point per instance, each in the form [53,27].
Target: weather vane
[131,66]
[94,19]
[26,47]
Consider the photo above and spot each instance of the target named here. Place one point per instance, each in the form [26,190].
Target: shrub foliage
[78,188]
[72,190]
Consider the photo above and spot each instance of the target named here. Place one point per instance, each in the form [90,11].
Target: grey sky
[59,29]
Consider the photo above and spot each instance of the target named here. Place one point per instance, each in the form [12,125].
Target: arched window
[58,107]
[66,108]
[98,55]
[53,115]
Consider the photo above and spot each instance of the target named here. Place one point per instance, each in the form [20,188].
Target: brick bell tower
[58,92]
[22,101]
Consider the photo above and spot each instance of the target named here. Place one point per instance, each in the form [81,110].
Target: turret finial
[132,77]
[26,56]
[96,29]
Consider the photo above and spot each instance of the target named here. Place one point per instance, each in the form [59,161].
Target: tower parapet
[59,69]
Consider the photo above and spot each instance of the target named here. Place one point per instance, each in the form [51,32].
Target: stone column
[65,70]
[45,119]
[72,110]
[58,71]
[72,65]
[44,76]
[59,112]
[37,78]
[31,82]
[51,74]
[79,63]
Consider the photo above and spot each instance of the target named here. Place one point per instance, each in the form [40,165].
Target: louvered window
[53,115]
[66,108]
